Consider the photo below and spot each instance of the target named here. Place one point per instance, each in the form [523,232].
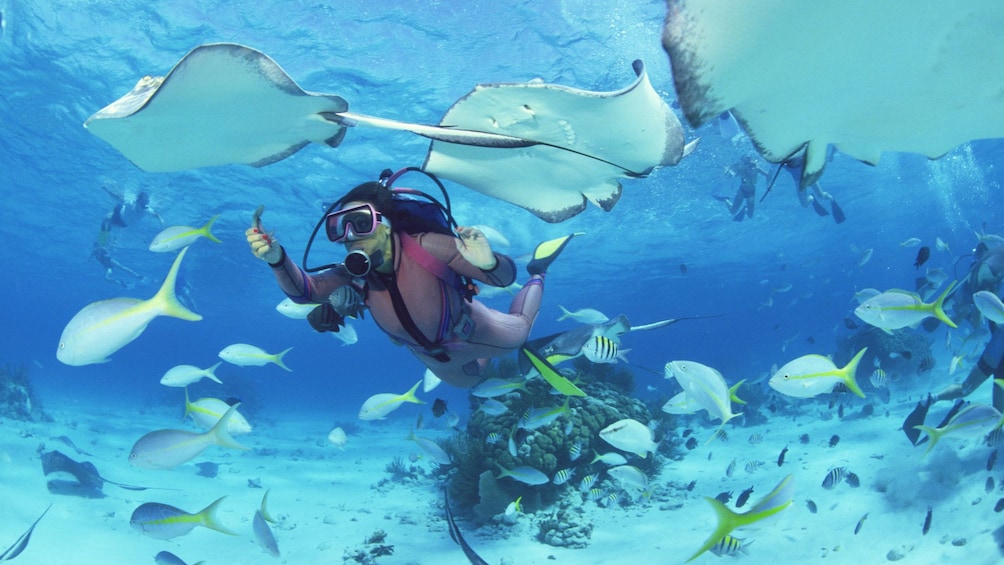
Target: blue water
[65,60]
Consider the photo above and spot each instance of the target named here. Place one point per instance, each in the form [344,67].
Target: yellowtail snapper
[524,474]
[161,521]
[262,532]
[775,501]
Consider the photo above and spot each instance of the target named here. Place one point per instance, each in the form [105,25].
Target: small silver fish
[753,466]
[756,439]
[730,469]
[861,522]
[493,407]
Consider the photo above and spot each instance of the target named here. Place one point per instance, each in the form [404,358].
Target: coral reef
[548,448]
[900,353]
[17,399]
[566,527]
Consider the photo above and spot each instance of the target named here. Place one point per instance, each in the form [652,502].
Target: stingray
[547,148]
[866,77]
[66,476]
[22,542]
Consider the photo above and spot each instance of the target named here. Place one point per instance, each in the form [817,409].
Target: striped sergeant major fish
[602,349]
[730,546]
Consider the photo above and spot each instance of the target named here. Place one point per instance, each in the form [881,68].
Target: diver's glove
[325,319]
[474,247]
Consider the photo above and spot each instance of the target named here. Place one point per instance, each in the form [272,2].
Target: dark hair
[373,193]
[405,214]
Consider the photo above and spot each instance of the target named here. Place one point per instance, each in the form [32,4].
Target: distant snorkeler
[743,204]
[813,194]
[129,209]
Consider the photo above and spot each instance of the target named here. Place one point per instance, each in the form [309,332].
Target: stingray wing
[864,76]
[580,143]
[222,103]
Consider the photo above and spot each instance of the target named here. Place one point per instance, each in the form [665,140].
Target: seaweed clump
[17,398]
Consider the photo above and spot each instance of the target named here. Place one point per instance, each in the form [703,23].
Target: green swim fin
[551,375]
[547,252]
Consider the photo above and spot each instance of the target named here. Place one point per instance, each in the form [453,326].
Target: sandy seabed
[329,502]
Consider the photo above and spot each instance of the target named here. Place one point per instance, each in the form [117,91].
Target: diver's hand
[264,246]
[474,247]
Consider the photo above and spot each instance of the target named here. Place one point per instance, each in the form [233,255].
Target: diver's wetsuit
[436,307]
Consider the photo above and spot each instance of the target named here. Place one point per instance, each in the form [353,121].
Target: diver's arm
[444,248]
[293,281]
[303,288]
[988,364]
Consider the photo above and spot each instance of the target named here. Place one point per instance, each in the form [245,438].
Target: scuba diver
[991,363]
[985,274]
[743,203]
[415,275]
[128,211]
